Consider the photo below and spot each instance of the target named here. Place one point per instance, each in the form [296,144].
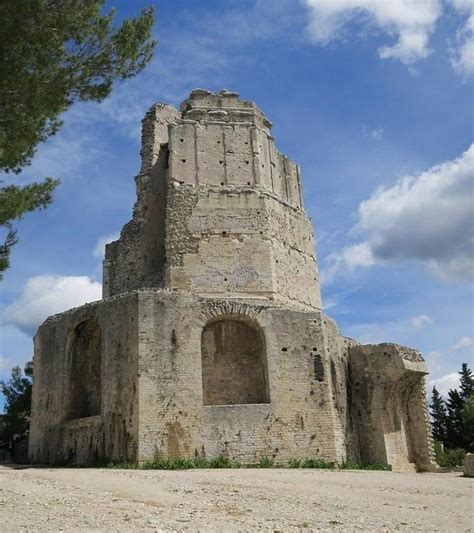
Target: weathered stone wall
[388,399]
[240,241]
[222,140]
[298,420]
[57,437]
[137,259]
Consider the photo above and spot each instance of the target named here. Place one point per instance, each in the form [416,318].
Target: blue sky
[373,99]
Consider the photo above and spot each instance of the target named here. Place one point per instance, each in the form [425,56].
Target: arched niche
[85,383]
[234,362]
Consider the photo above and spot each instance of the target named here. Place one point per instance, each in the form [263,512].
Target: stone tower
[210,339]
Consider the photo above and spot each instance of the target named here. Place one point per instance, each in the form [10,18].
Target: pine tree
[466,382]
[468,424]
[438,416]
[454,421]
[54,53]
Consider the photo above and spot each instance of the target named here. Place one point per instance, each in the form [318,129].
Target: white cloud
[462,344]
[428,218]
[463,59]
[4,363]
[46,295]
[445,383]
[410,21]
[350,258]
[418,321]
[99,249]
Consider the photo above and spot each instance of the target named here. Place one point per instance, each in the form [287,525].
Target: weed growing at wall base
[264,462]
[358,465]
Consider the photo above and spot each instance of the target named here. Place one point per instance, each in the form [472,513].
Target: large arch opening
[85,390]
[234,363]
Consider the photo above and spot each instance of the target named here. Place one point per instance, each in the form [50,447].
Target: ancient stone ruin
[210,339]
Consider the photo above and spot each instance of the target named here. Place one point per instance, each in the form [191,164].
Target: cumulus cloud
[43,296]
[419,321]
[462,344]
[463,58]
[99,249]
[445,383]
[428,218]
[410,21]
[350,258]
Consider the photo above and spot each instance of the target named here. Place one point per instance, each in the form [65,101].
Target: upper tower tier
[219,209]
[222,140]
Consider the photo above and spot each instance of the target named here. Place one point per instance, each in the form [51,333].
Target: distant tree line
[15,422]
[453,420]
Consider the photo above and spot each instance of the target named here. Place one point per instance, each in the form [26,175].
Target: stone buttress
[210,340]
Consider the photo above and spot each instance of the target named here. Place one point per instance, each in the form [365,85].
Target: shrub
[451,458]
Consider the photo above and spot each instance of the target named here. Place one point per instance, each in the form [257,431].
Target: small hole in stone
[224,233]
[225,279]
[261,233]
[182,140]
[248,182]
[218,142]
[220,162]
[247,162]
[284,349]
[222,183]
[183,160]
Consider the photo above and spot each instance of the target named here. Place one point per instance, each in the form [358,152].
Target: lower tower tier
[160,374]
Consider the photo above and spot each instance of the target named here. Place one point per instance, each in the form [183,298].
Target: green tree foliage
[14,203]
[453,419]
[17,393]
[438,416]
[466,382]
[54,53]
[468,423]
[455,405]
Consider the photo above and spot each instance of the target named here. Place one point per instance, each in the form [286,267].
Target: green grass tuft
[266,462]
[360,465]
[310,463]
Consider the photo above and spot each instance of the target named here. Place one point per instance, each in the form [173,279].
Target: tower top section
[218,211]
[222,107]
[217,139]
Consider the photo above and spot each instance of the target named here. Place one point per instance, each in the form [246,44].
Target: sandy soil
[40,499]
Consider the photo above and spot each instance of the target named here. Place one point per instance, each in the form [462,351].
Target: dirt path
[232,500]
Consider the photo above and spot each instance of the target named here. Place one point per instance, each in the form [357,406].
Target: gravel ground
[41,499]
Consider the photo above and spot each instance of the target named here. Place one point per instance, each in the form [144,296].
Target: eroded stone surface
[210,337]
[468,467]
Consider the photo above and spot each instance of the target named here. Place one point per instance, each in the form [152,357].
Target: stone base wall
[297,421]
[112,434]
[152,402]
[315,393]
